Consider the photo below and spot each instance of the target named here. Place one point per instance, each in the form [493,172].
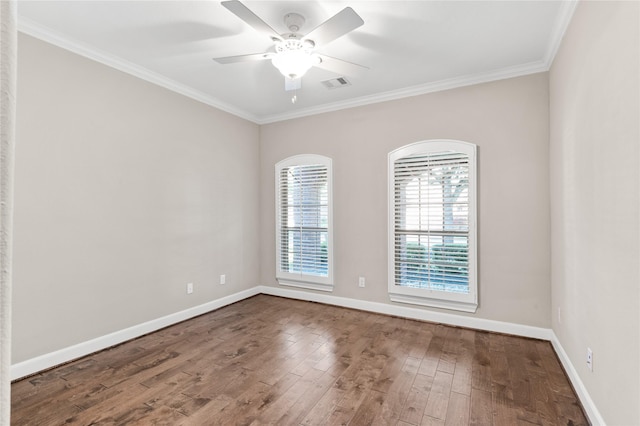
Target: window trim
[430,297]
[302,280]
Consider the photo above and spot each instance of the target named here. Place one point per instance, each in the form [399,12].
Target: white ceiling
[410,47]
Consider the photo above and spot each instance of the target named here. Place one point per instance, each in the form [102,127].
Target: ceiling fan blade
[243,58]
[341,67]
[341,23]
[244,13]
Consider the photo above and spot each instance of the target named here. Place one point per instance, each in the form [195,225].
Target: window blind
[431,221]
[304,219]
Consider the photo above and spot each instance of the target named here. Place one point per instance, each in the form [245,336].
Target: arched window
[304,236]
[432,225]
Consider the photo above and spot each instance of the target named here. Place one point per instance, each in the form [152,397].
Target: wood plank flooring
[269,360]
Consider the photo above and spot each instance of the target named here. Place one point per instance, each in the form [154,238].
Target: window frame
[308,281]
[426,296]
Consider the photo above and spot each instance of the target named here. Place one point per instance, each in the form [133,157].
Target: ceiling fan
[294,53]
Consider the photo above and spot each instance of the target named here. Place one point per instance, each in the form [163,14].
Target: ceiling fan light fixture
[293,58]
[294,52]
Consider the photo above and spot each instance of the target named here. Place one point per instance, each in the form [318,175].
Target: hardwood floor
[268,360]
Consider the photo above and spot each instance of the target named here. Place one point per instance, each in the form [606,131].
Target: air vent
[334,83]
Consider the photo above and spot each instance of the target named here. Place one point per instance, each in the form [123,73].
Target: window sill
[434,303]
[305,284]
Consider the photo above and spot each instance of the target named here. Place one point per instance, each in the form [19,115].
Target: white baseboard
[457,320]
[43,362]
[592,411]
[413,313]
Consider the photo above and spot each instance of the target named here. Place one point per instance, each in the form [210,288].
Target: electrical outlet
[361,281]
[223,279]
[589,359]
[559,315]
[189,288]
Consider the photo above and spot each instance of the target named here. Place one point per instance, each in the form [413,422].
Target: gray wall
[595,141]
[508,120]
[124,192]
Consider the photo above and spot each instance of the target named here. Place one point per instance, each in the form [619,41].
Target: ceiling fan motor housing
[294,21]
[294,52]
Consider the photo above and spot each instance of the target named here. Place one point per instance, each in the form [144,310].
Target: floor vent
[334,83]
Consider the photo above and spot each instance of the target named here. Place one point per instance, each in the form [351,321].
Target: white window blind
[432,223]
[303,185]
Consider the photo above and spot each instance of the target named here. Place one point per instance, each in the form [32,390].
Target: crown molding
[423,89]
[567,8]
[38,31]
[563,19]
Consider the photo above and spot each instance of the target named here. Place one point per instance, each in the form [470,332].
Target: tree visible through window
[432,221]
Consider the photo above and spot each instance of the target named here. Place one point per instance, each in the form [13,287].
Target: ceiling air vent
[334,83]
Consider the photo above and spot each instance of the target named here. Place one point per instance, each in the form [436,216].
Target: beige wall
[595,138]
[508,120]
[124,193]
